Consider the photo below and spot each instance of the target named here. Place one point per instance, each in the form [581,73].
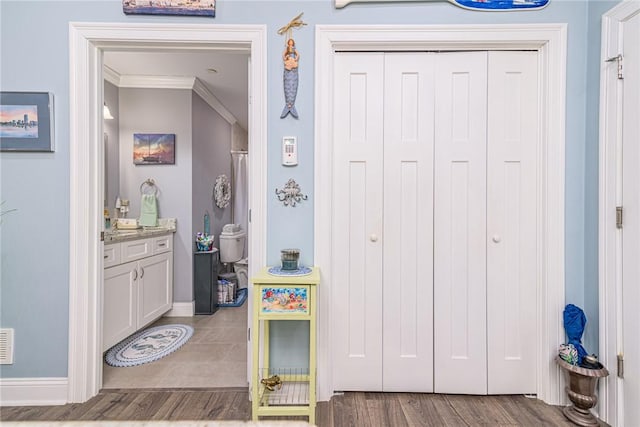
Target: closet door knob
[373,237]
[496,238]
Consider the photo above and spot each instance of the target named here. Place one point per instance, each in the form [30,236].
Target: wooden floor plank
[353,409]
[386,409]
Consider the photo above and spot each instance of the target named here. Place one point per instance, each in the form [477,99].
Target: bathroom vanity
[138,281]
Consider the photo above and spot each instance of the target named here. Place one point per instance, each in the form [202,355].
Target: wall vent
[6,346]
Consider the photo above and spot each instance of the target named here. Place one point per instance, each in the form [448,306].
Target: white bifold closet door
[383,109]
[485,223]
[413,179]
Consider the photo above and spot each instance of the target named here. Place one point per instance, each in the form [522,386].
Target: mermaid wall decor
[290,58]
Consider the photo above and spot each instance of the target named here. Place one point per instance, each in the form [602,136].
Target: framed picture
[26,121]
[154,148]
[486,5]
[169,7]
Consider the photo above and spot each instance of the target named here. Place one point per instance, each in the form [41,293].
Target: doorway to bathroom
[88,43]
[201,97]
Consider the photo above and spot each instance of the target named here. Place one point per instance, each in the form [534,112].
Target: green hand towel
[149,211]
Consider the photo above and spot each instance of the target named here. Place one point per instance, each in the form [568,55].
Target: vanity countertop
[114,236]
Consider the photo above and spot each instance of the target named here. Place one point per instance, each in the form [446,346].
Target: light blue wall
[35,57]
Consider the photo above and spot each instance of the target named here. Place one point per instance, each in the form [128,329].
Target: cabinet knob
[496,238]
[135,274]
[373,237]
[141,272]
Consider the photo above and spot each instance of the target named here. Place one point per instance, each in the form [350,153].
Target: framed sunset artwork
[154,148]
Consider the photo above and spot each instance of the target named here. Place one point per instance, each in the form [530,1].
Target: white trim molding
[169,82]
[550,40]
[610,238]
[33,391]
[87,42]
[181,309]
[209,98]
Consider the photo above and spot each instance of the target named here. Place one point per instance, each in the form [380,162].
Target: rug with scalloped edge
[148,345]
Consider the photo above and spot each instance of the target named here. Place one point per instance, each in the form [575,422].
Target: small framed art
[169,7]
[154,148]
[26,121]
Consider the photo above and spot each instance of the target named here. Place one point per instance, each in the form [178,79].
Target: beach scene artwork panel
[154,148]
[18,121]
[170,7]
[285,300]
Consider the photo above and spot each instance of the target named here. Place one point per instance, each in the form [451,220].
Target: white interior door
[511,222]
[357,223]
[460,287]
[631,228]
[408,222]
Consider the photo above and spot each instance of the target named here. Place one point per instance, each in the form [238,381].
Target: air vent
[6,346]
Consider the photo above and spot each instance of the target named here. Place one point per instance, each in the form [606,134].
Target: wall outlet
[6,346]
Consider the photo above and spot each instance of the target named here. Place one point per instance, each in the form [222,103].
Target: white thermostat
[289,151]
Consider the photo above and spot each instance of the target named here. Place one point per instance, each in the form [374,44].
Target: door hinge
[619,59]
[248,334]
[102,236]
[618,216]
[249,215]
[620,365]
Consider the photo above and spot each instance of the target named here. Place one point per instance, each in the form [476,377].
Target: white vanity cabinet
[138,285]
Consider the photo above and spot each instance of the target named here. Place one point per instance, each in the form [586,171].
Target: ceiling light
[106,114]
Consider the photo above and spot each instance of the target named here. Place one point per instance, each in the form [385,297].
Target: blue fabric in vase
[574,323]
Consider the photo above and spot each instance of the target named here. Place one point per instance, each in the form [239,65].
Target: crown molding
[156,82]
[169,82]
[209,98]
[111,75]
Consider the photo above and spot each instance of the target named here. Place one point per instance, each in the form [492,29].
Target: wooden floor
[350,409]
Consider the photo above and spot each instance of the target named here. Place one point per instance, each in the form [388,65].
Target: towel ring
[149,187]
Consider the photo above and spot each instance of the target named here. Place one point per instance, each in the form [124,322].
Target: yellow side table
[281,391]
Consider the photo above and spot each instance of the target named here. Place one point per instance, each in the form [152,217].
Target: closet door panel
[357,223]
[408,223]
[460,223]
[511,222]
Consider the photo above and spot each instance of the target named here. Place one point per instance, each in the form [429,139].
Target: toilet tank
[231,245]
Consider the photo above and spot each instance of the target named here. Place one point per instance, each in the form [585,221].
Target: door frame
[550,41]
[87,41]
[610,190]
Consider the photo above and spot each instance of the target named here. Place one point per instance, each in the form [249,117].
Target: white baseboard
[33,391]
[181,309]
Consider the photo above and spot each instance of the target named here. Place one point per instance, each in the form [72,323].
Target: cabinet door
[119,303]
[155,287]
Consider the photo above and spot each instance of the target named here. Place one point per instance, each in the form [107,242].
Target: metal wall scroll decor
[290,194]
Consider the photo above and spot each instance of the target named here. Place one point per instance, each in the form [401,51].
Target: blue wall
[34,56]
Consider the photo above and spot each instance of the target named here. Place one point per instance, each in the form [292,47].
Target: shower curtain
[240,193]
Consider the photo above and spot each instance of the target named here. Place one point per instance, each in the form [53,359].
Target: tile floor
[215,356]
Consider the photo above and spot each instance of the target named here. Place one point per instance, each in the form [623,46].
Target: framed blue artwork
[26,121]
[486,5]
[170,7]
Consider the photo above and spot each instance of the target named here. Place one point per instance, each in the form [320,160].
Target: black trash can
[205,281]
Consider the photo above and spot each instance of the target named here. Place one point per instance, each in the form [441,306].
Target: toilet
[240,268]
[232,241]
